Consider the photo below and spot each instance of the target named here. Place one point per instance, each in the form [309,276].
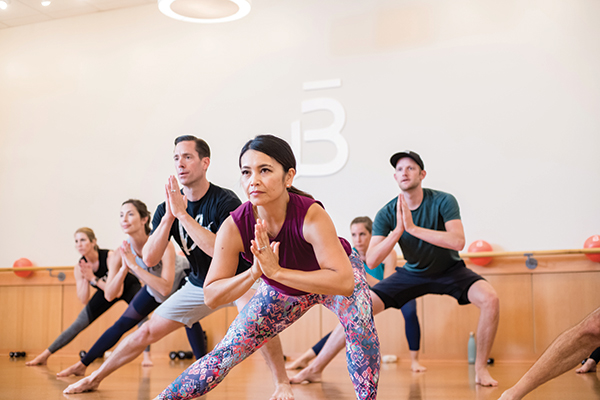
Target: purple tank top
[294,251]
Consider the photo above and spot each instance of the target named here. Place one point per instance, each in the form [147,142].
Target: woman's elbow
[210,299]
[165,291]
[348,286]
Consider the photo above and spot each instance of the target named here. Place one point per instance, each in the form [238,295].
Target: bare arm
[335,276]
[177,202]
[82,284]
[117,272]
[453,238]
[222,285]
[390,264]
[163,283]
[157,243]
[381,246]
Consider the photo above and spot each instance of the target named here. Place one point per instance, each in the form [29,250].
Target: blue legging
[142,304]
[412,329]
[267,314]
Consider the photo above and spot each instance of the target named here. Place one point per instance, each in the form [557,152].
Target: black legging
[97,306]
[142,304]
[595,355]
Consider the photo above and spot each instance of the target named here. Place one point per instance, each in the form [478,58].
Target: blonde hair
[90,234]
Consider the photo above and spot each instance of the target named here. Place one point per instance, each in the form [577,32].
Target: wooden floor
[252,380]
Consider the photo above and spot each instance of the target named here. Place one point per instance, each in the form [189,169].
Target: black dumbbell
[185,355]
[17,354]
[181,355]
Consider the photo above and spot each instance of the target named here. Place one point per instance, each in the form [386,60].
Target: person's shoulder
[222,193]
[389,205]
[437,194]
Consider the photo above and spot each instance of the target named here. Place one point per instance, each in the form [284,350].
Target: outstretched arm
[222,285]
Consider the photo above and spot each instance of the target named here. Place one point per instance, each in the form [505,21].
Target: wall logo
[331,133]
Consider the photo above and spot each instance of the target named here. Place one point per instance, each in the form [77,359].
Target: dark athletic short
[403,286]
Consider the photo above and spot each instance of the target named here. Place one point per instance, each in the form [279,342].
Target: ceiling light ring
[243,9]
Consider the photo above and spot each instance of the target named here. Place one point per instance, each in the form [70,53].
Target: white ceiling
[23,12]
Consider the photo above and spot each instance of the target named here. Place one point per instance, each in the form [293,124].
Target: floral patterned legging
[267,314]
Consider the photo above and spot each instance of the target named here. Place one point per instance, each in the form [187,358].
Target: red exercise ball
[22,262]
[591,242]
[477,247]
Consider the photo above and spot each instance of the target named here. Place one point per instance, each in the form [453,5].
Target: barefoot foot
[507,395]
[483,378]
[297,364]
[39,360]
[415,366]
[147,361]
[84,385]
[306,376]
[588,366]
[77,369]
[283,391]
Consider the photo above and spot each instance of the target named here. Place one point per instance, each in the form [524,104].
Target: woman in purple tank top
[293,246]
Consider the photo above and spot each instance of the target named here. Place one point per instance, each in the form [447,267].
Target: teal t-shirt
[436,209]
[376,272]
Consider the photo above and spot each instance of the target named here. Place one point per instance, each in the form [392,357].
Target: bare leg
[333,346]
[562,355]
[588,366]
[40,359]
[415,365]
[131,347]
[483,295]
[273,355]
[302,361]
[147,361]
[77,369]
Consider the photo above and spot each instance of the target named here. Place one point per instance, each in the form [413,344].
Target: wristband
[94,282]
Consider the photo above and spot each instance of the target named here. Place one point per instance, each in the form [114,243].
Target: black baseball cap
[416,158]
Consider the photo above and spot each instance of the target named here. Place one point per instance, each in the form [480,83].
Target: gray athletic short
[186,305]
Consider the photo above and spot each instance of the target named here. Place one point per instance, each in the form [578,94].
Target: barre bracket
[531,262]
[61,275]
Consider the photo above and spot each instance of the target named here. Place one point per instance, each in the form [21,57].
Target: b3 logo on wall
[332,133]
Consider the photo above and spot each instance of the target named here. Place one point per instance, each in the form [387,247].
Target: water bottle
[472,346]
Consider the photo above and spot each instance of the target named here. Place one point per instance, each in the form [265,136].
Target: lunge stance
[294,247]
[192,217]
[361,229]
[161,281]
[426,224]
[91,270]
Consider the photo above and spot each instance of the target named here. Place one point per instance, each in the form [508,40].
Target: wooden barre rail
[463,255]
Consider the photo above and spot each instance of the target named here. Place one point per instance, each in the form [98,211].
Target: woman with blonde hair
[90,271]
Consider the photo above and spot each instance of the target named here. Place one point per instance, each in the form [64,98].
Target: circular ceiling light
[4,4]
[205,11]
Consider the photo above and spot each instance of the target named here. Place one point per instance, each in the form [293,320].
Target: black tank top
[102,271]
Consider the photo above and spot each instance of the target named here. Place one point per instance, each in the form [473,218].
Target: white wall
[501,100]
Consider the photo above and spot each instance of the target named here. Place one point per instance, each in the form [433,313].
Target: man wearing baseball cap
[426,224]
